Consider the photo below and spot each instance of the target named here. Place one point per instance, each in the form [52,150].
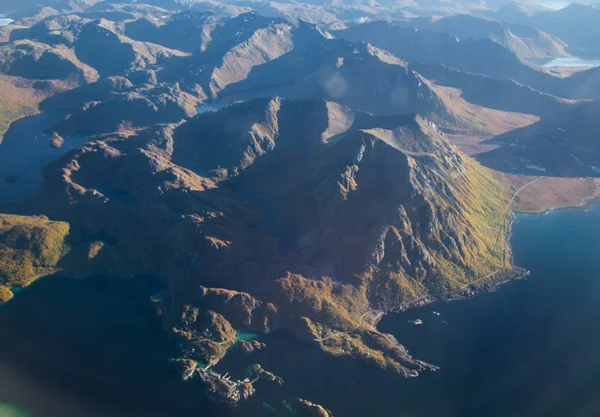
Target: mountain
[526,42]
[576,24]
[482,56]
[192,31]
[129,110]
[495,93]
[236,45]
[334,69]
[249,56]
[518,11]
[92,40]
[269,174]
[33,60]
[573,24]
[28,7]
[274,213]
[562,145]
[584,85]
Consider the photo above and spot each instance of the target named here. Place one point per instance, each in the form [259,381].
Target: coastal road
[507,210]
[402,306]
[407,304]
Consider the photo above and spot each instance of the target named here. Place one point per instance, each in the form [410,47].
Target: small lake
[529,349]
[572,62]
[24,152]
[207,106]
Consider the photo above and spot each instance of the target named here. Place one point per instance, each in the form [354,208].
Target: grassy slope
[29,246]
[18,99]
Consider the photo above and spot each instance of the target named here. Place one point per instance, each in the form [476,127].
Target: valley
[265,167]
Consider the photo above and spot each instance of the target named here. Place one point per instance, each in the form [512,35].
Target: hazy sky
[556,4]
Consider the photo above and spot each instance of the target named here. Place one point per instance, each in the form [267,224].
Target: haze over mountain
[304,167]
[575,24]
[524,41]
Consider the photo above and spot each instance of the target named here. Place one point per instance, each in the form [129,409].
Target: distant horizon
[556,4]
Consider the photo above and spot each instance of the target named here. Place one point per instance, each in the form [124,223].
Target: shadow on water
[530,349]
[90,347]
[24,152]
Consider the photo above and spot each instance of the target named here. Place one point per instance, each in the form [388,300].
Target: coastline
[515,273]
[587,204]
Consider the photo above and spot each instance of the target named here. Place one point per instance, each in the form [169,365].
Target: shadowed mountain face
[501,94]
[305,215]
[524,41]
[273,176]
[35,60]
[235,58]
[335,70]
[576,24]
[517,11]
[582,85]
[92,41]
[567,144]
[480,56]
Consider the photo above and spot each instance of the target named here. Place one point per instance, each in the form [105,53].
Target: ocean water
[572,62]
[529,349]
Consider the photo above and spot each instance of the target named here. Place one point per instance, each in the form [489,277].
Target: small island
[56,141]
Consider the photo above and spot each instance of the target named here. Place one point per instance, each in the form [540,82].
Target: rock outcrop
[395,217]
[29,59]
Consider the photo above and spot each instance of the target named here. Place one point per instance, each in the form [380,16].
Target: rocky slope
[128,110]
[316,209]
[496,93]
[582,85]
[480,56]
[33,60]
[575,24]
[317,227]
[526,42]
[519,12]
[333,69]
[92,40]
[564,145]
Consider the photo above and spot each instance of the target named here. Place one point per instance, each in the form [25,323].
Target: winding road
[407,304]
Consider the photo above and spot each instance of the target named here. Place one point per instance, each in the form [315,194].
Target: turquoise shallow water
[528,350]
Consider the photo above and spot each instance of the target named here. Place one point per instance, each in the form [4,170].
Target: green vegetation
[15,102]
[30,246]
[5,294]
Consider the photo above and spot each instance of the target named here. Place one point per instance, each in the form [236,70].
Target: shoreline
[516,273]
[593,201]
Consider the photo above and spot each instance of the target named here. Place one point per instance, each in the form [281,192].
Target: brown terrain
[323,183]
